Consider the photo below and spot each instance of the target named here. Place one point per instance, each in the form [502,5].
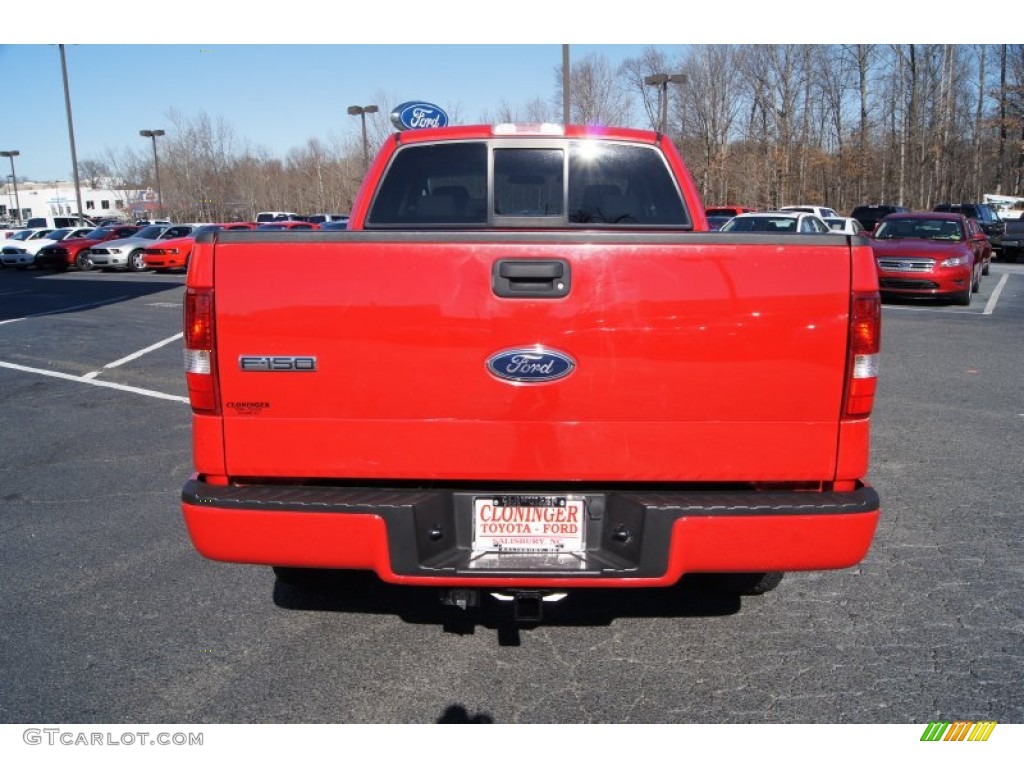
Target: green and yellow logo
[958,731]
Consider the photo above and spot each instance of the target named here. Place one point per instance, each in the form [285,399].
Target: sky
[275,96]
[279,78]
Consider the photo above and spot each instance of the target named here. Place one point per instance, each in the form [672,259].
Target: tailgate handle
[531,278]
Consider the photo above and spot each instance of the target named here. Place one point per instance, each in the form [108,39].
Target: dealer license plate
[549,524]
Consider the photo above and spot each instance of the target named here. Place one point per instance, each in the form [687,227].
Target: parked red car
[174,254]
[288,225]
[63,255]
[728,210]
[937,255]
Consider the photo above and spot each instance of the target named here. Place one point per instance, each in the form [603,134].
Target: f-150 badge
[530,365]
[277,363]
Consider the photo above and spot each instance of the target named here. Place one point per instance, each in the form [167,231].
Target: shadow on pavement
[363,592]
[43,292]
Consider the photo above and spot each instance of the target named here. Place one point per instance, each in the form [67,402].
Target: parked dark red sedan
[936,255]
[62,255]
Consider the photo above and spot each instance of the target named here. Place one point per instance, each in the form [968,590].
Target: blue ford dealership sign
[418,114]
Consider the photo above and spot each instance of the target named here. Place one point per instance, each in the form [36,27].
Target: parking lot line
[990,305]
[134,355]
[93,382]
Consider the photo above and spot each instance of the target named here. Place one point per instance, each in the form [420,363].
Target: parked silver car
[777,222]
[128,253]
[844,225]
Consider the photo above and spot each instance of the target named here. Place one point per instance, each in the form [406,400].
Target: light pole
[71,131]
[8,179]
[13,153]
[661,80]
[363,112]
[156,164]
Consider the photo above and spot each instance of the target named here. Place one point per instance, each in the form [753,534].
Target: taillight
[200,351]
[865,344]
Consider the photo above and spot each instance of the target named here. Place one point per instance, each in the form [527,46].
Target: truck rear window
[569,184]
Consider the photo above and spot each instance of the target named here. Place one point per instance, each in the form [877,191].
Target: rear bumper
[636,537]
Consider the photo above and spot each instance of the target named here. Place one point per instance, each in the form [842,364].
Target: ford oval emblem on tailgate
[530,365]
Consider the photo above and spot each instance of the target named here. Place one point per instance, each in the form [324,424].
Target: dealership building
[57,198]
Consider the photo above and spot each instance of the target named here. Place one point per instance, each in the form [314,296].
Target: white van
[818,210]
[58,222]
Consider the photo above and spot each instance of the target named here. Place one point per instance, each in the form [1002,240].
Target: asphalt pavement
[110,616]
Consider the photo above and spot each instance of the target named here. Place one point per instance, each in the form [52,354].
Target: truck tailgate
[699,357]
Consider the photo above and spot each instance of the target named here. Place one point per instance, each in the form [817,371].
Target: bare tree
[198,155]
[1001,174]
[758,124]
[536,110]
[597,96]
[710,102]
[979,119]
[836,81]
[632,72]
[902,106]
[1014,120]
[94,173]
[776,74]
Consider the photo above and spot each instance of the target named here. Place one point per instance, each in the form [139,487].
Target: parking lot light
[156,164]
[362,112]
[71,130]
[661,80]
[13,153]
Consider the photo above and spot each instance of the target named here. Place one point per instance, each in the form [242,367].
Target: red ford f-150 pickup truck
[528,367]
